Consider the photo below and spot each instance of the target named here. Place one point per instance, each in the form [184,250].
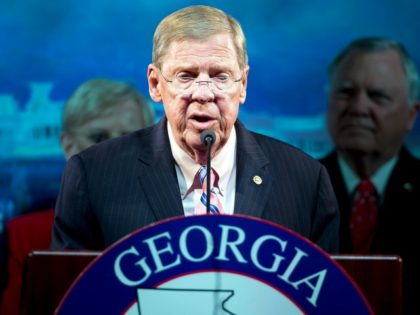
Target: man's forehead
[217,49]
[198,67]
[368,84]
[382,60]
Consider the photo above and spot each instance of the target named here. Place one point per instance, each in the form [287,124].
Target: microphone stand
[208,137]
[208,171]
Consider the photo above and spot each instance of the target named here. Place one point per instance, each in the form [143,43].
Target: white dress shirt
[379,178]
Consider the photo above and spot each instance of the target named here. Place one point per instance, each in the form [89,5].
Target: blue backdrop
[49,47]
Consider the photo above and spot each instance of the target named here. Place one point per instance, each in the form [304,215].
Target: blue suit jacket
[123,184]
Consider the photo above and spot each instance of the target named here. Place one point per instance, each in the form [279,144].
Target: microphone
[208,137]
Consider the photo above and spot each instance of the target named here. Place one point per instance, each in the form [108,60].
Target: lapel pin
[408,187]
[257,180]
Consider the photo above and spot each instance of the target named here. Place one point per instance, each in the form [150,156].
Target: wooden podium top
[49,274]
[379,277]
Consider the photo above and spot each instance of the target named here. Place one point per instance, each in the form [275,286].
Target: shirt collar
[223,162]
[379,178]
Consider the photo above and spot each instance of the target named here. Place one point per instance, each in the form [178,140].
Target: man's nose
[360,103]
[203,91]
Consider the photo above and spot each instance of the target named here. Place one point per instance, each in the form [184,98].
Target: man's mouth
[358,125]
[201,118]
[202,122]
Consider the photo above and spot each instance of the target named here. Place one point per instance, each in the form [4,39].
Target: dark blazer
[123,184]
[396,214]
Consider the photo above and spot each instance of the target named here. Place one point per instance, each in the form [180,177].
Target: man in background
[372,105]
[98,110]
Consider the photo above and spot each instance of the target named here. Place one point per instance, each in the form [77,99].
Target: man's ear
[68,145]
[415,108]
[154,84]
[244,83]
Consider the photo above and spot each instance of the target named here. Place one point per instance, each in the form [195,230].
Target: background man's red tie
[364,217]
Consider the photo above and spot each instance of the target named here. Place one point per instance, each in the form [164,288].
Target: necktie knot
[202,173]
[200,182]
[214,179]
[366,187]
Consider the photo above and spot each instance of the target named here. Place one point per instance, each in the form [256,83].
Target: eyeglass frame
[202,81]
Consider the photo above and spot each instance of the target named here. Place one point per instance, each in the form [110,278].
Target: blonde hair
[97,95]
[197,22]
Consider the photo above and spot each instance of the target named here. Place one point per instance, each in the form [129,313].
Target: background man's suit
[116,187]
[396,214]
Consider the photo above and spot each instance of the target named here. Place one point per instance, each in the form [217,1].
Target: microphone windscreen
[207,135]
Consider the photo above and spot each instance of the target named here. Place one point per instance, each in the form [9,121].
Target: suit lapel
[253,183]
[157,175]
[345,200]
[334,171]
[403,180]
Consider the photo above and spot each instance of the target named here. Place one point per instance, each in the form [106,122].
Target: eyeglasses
[184,81]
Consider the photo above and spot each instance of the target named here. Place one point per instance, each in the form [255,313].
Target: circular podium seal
[214,265]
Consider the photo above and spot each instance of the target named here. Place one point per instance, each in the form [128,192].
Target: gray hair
[97,95]
[378,44]
[197,22]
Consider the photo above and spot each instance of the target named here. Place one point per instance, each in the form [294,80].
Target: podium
[208,264]
[49,274]
[379,277]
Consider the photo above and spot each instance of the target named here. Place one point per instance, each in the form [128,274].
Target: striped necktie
[363,217]
[200,189]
